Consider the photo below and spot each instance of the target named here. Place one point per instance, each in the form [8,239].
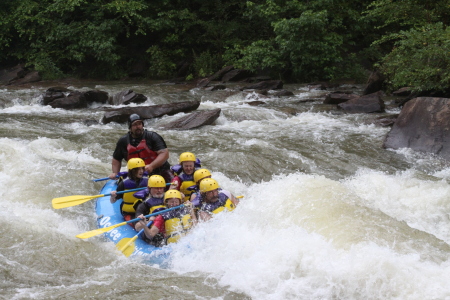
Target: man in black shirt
[144,144]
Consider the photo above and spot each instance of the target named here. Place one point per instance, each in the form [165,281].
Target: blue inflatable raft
[108,214]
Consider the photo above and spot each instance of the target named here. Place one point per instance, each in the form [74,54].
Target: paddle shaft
[154,214]
[126,191]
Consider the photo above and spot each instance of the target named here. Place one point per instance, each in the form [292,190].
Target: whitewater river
[327,212]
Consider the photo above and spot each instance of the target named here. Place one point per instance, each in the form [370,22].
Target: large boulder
[371,103]
[30,77]
[375,83]
[423,125]
[194,120]
[59,97]
[337,98]
[10,74]
[120,115]
[126,97]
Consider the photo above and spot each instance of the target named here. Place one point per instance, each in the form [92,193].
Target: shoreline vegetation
[404,42]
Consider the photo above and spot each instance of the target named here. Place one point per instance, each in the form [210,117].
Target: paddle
[68,201]
[95,232]
[126,245]
[117,176]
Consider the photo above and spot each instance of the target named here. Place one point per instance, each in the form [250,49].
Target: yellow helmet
[156,181]
[208,184]
[187,156]
[135,163]
[200,174]
[172,194]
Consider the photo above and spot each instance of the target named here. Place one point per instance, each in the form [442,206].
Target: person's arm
[204,215]
[230,196]
[115,166]
[191,208]
[163,156]
[157,227]
[142,224]
[120,153]
[114,197]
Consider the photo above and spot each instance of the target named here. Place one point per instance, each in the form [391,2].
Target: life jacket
[129,200]
[223,203]
[141,151]
[186,182]
[155,204]
[177,223]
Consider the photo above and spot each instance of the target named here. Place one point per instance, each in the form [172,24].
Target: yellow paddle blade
[68,201]
[95,232]
[239,197]
[126,245]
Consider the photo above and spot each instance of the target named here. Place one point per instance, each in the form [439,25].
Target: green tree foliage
[414,36]
[313,40]
[420,59]
[290,39]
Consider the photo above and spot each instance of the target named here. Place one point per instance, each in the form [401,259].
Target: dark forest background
[296,41]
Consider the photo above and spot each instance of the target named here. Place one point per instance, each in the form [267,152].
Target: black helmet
[132,118]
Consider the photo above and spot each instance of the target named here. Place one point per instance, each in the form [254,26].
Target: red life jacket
[141,151]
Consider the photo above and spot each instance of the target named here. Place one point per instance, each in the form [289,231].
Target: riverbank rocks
[194,120]
[423,125]
[265,85]
[18,75]
[371,103]
[120,115]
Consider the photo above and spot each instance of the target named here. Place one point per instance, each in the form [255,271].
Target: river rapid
[327,212]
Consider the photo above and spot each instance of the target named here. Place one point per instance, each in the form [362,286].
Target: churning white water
[326,214]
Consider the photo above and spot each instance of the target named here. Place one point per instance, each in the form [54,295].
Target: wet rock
[265,85]
[256,103]
[283,93]
[203,82]
[194,120]
[337,98]
[365,104]
[95,96]
[32,76]
[59,97]
[120,115]
[126,97]
[384,121]
[10,74]
[375,83]
[70,101]
[423,125]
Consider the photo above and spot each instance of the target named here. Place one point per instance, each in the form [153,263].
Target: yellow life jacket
[184,189]
[229,206]
[153,208]
[177,227]
[129,201]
